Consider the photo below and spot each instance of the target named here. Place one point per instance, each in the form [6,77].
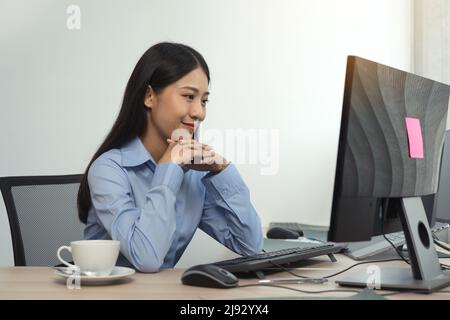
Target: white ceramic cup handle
[58,253]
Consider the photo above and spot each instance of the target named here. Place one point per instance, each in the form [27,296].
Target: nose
[197,112]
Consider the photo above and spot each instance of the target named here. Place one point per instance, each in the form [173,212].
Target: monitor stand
[424,274]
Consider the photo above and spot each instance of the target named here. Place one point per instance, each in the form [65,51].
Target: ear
[149,99]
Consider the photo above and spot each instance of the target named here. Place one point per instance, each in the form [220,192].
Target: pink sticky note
[414,137]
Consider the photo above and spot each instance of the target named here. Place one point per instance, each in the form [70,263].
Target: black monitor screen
[390,145]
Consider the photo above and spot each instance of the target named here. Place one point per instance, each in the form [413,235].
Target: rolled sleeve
[229,215]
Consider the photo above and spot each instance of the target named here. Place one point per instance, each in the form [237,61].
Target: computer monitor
[437,209]
[441,200]
[390,146]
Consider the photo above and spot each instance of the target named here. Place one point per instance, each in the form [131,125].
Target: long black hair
[161,65]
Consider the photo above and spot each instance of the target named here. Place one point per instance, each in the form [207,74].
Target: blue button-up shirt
[155,209]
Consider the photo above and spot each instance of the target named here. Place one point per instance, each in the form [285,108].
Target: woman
[140,187]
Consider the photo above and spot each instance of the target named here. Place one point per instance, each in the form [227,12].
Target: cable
[337,290]
[436,241]
[443,266]
[298,290]
[283,268]
[393,246]
[334,274]
[441,245]
[287,270]
[360,263]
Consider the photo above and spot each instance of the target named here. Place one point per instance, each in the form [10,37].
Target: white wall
[274,64]
[432,40]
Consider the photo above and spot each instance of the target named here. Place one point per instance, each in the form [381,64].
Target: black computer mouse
[209,275]
[282,233]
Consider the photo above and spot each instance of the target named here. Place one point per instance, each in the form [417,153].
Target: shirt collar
[134,154]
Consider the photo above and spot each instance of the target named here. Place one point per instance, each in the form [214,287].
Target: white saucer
[116,274]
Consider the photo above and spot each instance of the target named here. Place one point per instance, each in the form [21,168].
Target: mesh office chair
[43,215]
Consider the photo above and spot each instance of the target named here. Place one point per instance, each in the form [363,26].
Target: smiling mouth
[189,125]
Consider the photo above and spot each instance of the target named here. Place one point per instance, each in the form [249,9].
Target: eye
[204,102]
[190,97]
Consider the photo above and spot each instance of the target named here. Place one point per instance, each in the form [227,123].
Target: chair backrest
[43,215]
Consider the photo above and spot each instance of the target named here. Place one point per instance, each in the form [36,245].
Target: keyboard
[284,257]
[366,249]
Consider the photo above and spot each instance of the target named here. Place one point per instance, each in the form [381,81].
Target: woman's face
[181,105]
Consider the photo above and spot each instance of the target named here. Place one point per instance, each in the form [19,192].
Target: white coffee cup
[92,257]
